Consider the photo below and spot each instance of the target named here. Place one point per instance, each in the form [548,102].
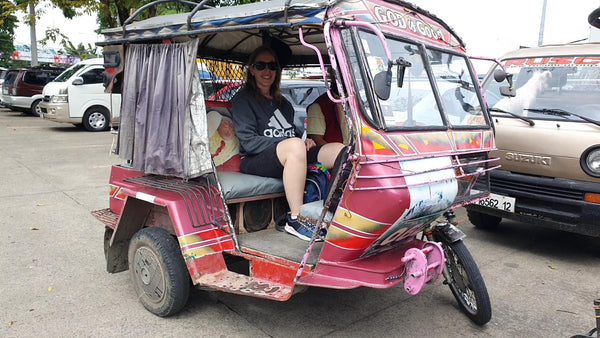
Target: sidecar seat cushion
[239,186]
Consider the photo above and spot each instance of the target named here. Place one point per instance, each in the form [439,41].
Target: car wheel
[96,119]
[35,108]
[483,221]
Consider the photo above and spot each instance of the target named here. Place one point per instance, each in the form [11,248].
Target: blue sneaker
[299,229]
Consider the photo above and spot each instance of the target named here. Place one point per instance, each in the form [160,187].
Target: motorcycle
[419,137]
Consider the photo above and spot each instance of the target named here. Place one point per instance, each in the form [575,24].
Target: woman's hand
[309,143]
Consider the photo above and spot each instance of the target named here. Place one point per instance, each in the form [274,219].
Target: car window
[38,78]
[93,76]
[302,96]
[68,73]
[10,78]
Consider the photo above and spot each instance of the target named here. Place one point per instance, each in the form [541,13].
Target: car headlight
[59,99]
[590,161]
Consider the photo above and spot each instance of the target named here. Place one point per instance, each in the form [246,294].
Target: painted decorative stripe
[356,224]
[213,244]
[402,143]
[188,240]
[488,139]
[197,252]
[343,247]
[145,197]
[430,142]
[467,140]
[120,194]
[375,144]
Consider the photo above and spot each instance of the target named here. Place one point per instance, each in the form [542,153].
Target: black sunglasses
[262,65]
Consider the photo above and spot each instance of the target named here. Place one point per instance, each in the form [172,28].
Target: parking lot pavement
[53,282]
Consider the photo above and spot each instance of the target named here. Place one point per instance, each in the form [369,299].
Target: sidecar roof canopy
[234,32]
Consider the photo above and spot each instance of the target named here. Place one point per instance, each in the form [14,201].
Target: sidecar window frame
[372,111]
[363,89]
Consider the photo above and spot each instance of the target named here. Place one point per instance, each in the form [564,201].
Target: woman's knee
[291,148]
[328,153]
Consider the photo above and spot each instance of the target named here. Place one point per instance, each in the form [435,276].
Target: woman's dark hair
[250,84]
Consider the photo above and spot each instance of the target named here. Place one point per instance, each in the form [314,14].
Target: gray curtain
[163,116]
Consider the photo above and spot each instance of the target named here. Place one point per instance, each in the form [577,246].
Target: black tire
[160,277]
[35,108]
[483,221]
[465,282]
[96,119]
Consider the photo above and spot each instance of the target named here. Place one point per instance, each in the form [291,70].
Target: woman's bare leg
[292,155]
[328,153]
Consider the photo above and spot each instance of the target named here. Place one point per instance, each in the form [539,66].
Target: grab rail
[158,2]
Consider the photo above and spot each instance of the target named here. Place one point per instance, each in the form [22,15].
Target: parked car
[77,96]
[548,138]
[3,72]
[22,87]
[300,93]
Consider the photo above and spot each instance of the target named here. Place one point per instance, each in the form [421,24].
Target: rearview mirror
[508,91]
[78,81]
[383,80]
[383,84]
[499,76]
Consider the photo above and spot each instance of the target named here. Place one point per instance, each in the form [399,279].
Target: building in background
[45,55]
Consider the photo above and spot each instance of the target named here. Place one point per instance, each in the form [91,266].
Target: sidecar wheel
[465,282]
[160,276]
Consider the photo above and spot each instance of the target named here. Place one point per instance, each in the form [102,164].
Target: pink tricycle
[420,135]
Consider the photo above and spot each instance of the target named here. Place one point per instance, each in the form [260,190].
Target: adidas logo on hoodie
[279,126]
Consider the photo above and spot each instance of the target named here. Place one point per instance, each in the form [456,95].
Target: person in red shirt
[326,122]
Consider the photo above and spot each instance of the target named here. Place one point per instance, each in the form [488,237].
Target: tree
[7,34]
[35,8]
[111,13]
[81,51]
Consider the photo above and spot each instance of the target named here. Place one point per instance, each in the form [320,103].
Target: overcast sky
[493,28]
[489,28]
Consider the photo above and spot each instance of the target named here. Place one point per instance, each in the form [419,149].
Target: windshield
[550,88]
[415,103]
[457,88]
[68,73]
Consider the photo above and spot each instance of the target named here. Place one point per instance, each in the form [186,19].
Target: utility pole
[33,38]
[541,36]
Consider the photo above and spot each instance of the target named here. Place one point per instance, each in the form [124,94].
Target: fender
[448,233]
[134,216]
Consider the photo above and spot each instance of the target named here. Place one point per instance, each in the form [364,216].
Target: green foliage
[7,34]
[67,47]
[81,51]
[111,13]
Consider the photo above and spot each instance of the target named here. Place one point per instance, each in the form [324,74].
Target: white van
[77,96]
